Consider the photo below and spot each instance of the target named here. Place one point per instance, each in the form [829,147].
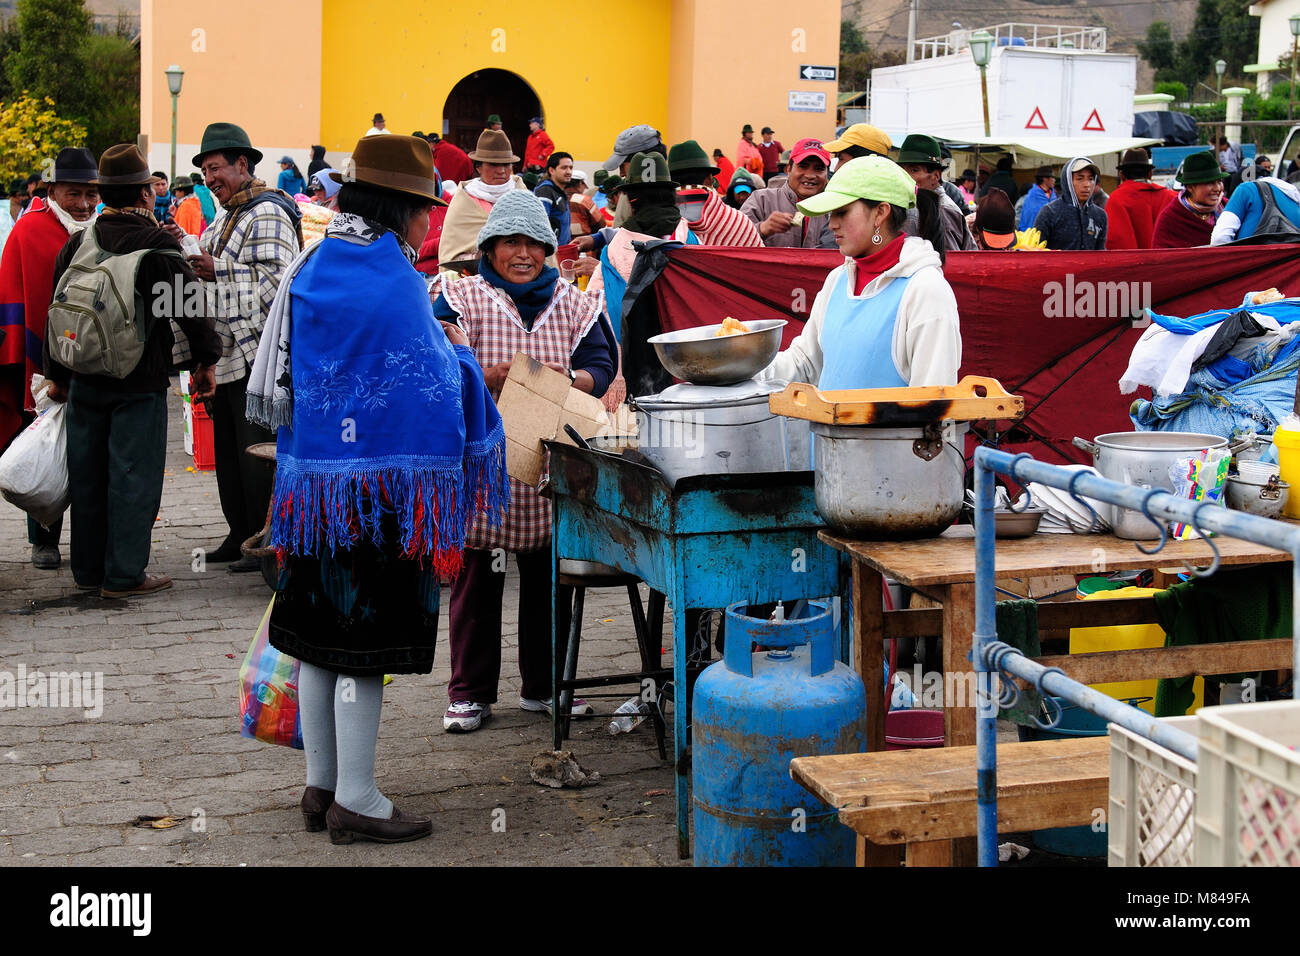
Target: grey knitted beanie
[518,213]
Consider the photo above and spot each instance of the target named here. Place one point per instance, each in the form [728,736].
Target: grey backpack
[92,325]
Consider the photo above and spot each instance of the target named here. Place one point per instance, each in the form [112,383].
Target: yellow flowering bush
[31,135]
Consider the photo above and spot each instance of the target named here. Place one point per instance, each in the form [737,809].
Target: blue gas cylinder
[753,714]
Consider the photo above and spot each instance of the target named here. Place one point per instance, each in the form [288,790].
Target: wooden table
[943,568]
[924,799]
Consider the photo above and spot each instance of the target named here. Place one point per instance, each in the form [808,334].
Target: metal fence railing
[994,657]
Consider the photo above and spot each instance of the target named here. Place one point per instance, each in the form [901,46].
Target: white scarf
[481,190]
[66,220]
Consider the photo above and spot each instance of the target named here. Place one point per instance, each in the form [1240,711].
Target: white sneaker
[579,709]
[464,716]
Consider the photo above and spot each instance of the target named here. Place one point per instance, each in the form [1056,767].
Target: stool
[581,575]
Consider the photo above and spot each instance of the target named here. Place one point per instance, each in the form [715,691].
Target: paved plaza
[167,741]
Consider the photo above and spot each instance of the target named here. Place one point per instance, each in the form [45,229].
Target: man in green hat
[243,256]
[716,223]
[921,157]
[494,122]
[747,155]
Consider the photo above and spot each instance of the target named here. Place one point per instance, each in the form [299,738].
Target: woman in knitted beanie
[516,303]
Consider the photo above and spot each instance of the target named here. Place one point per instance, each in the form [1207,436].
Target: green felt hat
[647,169]
[494,118]
[1201,167]
[226,137]
[689,155]
[919,148]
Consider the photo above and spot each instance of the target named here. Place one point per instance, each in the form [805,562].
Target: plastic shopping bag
[34,470]
[268,691]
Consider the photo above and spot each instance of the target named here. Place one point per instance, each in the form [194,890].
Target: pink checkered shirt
[496,333]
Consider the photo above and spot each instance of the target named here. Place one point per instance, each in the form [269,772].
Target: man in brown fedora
[117,426]
[493,160]
[243,257]
[26,284]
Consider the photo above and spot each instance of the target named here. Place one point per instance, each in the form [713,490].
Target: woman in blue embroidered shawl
[389,445]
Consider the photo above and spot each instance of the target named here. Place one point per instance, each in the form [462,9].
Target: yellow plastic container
[1287,444]
[1084,640]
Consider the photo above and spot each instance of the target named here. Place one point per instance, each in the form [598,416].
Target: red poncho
[1131,213]
[26,287]
[1180,228]
[452,162]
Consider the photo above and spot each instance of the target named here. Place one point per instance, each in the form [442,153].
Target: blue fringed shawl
[387,416]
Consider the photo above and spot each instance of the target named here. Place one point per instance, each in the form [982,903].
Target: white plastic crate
[1152,813]
[1248,799]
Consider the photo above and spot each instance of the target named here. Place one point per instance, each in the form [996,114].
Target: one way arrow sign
[817,73]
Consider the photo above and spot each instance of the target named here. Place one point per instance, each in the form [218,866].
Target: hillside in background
[884,22]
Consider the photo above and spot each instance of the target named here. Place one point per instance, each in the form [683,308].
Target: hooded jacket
[1065,223]
[926,347]
[1132,211]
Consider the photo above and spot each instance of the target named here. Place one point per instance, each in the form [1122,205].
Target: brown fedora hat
[403,164]
[493,147]
[124,165]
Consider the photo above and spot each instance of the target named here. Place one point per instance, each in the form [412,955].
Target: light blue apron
[857,338]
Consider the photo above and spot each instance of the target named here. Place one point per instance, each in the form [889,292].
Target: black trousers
[117,446]
[243,482]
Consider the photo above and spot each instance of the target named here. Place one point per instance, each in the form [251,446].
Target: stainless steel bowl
[1018,524]
[703,358]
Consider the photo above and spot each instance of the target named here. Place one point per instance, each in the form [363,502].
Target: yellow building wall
[255,64]
[402,59]
[735,63]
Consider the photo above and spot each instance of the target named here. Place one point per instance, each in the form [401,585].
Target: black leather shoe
[46,557]
[245,565]
[347,827]
[228,551]
[315,802]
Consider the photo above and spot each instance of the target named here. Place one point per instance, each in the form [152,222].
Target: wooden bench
[924,799]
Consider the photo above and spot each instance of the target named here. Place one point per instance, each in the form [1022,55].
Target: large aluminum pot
[703,430]
[887,482]
[1142,459]
[701,357]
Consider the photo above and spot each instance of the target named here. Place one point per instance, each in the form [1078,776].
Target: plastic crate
[1248,792]
[205,455]
[1152,815]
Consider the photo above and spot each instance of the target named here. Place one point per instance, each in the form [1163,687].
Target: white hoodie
[926,345]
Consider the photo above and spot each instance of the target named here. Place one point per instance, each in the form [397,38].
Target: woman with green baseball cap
[886,317]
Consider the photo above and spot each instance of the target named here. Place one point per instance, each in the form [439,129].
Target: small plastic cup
[568,269]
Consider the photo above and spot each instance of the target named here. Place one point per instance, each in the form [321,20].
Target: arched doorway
[482,93]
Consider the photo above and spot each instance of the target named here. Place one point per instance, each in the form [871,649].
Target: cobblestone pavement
[167,742]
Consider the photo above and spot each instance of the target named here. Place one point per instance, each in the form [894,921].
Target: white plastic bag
[34,470]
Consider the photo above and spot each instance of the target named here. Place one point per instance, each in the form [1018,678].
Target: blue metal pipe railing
[992,656]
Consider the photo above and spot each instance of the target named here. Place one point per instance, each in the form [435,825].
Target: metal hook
[1094,518]
[1160,525]
[1196,526]
[1053,722]
[1029,495]
[1008,691]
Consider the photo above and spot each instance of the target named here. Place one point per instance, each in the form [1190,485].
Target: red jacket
[1131,213]
[538,149]
[452,163]
[427,258]
[726,169]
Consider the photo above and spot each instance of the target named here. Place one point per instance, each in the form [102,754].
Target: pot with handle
[1142,459]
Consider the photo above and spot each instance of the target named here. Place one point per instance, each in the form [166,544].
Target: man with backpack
[243,257]
[119,286]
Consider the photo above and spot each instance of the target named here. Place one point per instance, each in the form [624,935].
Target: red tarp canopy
[1051,326]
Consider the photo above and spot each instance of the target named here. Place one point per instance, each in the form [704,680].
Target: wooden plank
[958,632]
[1104,667]
[931,853]
[974,398]
[957,818]
[868,649]
[928,622]
[853,780]
[950,557]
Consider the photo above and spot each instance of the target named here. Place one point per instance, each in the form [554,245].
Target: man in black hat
[244,256]
[1136,203]
[378,127]
[117,427]
[26,287]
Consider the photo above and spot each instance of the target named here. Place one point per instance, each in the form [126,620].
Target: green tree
[113,102]
[9,38]
[851,38]
[1223,30]
[51,52]
[1159,49]
[31,134]
[855,68]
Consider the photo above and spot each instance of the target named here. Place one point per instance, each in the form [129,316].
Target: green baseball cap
[867,177]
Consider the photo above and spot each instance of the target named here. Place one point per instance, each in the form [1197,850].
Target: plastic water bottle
[190,245]
[629,716]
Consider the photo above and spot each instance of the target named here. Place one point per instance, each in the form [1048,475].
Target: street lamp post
[981,48]
[174,76]
[1295,34]
[1220,67]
